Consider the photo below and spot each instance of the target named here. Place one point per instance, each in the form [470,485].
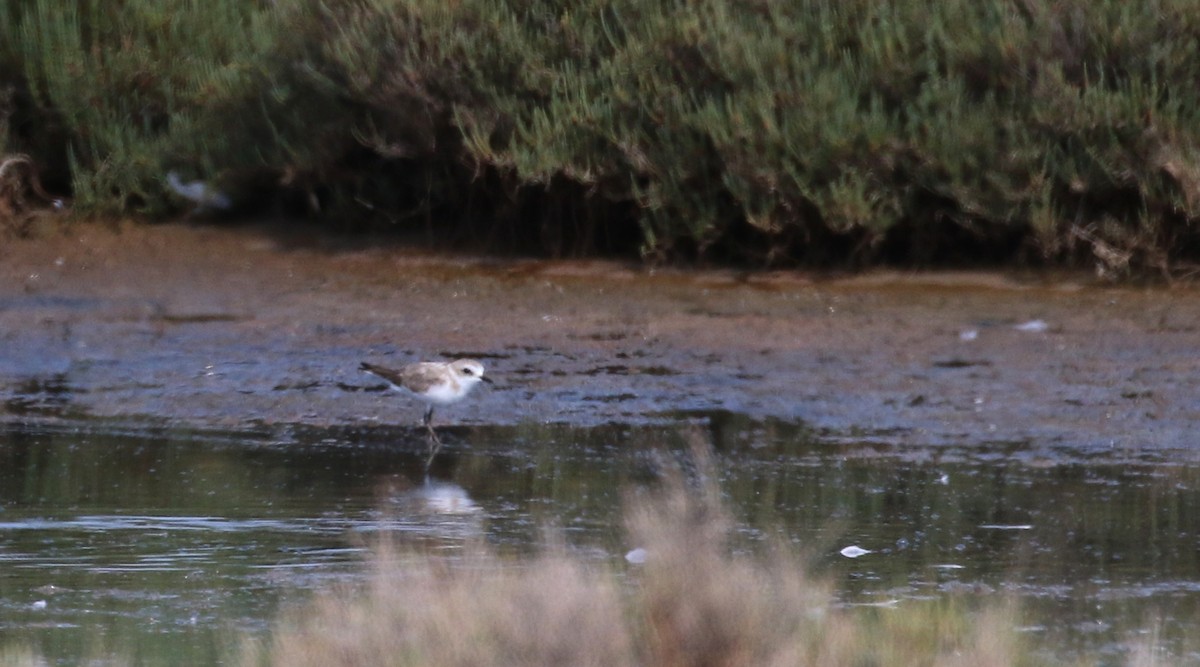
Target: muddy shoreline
[244,328]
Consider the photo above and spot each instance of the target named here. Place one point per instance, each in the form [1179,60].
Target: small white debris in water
[1032,326]
[854,551]
[944,479]
[949,566]
[968,334]
[40,604]
[885,604]
[1001,526]
[636,556]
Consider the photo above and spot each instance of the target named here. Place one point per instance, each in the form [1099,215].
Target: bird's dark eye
[468,371]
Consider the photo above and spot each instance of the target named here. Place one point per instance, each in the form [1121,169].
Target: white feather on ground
[199,193]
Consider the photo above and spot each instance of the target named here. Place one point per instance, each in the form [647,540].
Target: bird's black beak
[486,379]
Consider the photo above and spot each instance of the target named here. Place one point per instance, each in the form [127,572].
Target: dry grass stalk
[693,603]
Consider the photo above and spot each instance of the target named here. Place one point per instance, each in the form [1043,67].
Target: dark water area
[167,547]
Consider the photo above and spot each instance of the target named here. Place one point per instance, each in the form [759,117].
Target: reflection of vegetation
[692,604]
[796,131]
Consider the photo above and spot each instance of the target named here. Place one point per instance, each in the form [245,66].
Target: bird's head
[470,371]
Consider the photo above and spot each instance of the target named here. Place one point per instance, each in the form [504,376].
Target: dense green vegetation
[806,132]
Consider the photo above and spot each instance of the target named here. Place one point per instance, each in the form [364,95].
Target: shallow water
[163,546]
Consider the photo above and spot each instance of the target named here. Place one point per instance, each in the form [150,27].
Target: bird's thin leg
[428,422]
[434,446]
[435,443]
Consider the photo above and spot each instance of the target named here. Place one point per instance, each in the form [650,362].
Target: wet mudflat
[233,329]
[189,444]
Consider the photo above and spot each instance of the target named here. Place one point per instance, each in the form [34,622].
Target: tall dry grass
[693,603]
[20,656]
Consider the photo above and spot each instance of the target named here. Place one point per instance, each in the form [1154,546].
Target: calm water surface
[159,547]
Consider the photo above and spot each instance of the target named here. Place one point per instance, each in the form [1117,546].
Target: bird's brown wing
[393,376]
[421,376]
[413,377]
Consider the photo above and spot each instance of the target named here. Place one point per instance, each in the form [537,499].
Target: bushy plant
[813,131]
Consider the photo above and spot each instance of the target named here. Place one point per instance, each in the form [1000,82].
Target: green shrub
[778,132]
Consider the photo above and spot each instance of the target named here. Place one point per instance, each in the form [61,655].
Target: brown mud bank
[222,328]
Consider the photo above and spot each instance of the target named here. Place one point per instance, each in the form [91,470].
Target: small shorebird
[435,383]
